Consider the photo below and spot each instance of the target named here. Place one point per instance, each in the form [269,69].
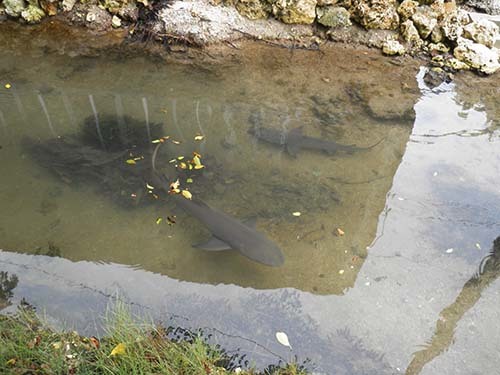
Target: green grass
[27,346]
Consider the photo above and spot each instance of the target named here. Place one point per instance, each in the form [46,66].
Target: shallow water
[419,211]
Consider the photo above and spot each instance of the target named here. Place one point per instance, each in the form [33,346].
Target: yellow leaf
[159,220]
[182,165]
[340,232]
[156,141]
[297,213]
[149,186]
[186,194]
[176,142]
[199,137]
[131,161]
[118,349]
[8,86]
[189,181]
[196,160]
[172,161]
[199,166]
[11,362]
[180,157]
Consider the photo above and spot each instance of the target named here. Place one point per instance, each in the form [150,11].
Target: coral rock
[393,47]
[295,11]
[482,31]
[478,56]
[333,16]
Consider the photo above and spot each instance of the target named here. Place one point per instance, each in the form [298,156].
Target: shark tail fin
[213,244]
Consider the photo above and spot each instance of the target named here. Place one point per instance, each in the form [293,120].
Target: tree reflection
[489,270]
[7,284]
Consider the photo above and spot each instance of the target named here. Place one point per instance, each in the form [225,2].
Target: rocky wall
[439,28]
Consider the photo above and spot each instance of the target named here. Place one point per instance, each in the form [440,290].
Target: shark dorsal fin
[293,141]
[213,244]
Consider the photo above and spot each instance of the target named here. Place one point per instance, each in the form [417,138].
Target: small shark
[294,141]
[227,232]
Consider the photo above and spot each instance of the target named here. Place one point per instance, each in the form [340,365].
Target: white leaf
[283,339]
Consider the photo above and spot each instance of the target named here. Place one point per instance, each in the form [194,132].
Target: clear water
[399,291]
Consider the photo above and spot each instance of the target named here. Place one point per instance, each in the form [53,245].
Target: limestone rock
[437,35]
[393,47]
[407,9]
[376,14]
[14,8]
[488,6]
[456,64]
[410,33]
[32,14]
[438,47]
[68,5]
[295,11]
[425,20]
[129,12]
[49,7]
[116,21]
[97,18]
[332,16]
[478,56]
[253,9]
[482,31]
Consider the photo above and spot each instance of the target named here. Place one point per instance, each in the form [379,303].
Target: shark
[294,141]
[228,233]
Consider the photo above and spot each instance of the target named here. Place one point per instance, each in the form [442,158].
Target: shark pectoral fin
[251,222]
[213,244]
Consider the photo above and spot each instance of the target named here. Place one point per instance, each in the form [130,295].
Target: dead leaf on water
[159,220]
[149,186]
[199,166]
[175,142]
[189,181]
[283,339]
[340,232]
[131,161]
[199,137]
[187,194]
[296,213]
[180,157]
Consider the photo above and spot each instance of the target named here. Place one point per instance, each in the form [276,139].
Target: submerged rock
[477,56]
[332,16]
[393,47]
[482,31]
[14,7]
[295,11]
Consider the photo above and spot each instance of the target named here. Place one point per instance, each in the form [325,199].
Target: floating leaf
[175,185]
[159,220]
[172,161]
[175,142]
[171,220]
[199,137]
[180,157]
[157,141]
[196,160]
[341,272]
[8,86]
[183,165]
[186,194]
[340,232]
[283,339]
[139,158]
[149,186]
[133,195]
[189,181]
[199,166]
[449,251]
[131,161]
[296,213]
[118,349]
